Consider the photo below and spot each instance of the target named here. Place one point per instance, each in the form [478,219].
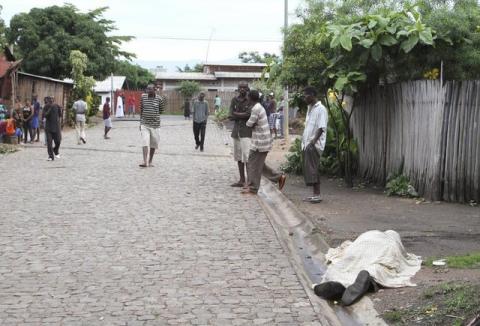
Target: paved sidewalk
[92,239]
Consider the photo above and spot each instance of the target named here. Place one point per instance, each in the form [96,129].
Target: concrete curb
[306,249]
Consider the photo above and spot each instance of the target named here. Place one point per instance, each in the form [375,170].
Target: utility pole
[285,96]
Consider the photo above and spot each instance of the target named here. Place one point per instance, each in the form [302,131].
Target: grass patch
[445,304]
[7,148]
[471,260]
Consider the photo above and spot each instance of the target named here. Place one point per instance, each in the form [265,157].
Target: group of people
[22,120]
[252,140]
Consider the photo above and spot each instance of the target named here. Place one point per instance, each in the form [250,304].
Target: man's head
[151,89]
[243,88]
[107,99]
[201,96]
[254,96]
[48,100]
[310,95]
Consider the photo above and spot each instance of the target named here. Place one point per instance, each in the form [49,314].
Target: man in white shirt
[313,141]
[80,108]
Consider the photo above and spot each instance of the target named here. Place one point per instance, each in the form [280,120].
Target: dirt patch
[427,229]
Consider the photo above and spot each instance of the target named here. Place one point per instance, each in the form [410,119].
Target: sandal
[142,165]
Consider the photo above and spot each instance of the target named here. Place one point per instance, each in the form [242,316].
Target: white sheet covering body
[380,253]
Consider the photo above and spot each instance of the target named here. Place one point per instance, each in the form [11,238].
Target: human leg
[256,160]
[203,127]
[196,134]
[57,139]
[49,139]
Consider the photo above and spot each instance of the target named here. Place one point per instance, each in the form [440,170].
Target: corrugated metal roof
[249,75]
[237,64]
[183,76]
[46,78]
[105,86]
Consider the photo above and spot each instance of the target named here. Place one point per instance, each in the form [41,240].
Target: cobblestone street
[92,239]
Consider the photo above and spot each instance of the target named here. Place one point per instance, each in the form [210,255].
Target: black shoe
[363,284]
[197,146]
[329,290]
[83,140]
[201,149]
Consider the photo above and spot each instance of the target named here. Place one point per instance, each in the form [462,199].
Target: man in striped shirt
[260,146]
[151,106]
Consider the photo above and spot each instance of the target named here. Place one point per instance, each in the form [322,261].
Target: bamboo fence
[425,131]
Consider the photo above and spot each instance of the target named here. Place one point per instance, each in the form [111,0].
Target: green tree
[255,57]
[136,76]
[188,88]
[83,85]
[343,55]
[44,38]
[3,40]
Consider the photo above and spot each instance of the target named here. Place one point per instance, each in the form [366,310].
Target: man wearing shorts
[240,113]
[151,106]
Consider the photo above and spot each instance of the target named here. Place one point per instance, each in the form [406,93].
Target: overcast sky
[167,31]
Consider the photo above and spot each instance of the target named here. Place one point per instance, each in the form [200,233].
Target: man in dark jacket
[52,114]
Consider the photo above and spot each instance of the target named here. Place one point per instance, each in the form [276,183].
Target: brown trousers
[257,167]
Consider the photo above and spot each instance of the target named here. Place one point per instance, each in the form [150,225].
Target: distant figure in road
[313,141]
[151,106]
[119,113]
[217,103]
[80,108]
[186,109]
[241,134]
[131,105]
[200,117]
[52,114]
[280,116]
[36,118]
[107,121]
[259,148]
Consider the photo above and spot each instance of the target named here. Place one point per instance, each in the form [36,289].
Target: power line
[204,39]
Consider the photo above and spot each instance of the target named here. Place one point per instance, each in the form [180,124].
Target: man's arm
[253,117]
[318,134]
[230,113]
[208,111]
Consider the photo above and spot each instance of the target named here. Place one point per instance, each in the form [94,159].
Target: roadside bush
[399,185]
[294,163]
[221,115]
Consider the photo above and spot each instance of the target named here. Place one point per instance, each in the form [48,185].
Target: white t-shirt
[317,117]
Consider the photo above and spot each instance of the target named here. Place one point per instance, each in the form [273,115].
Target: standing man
[52,115]
[217,103]
[80,108]
[272,114]
[280,111]
[106,117]
[241,134]
[313,141]
[261,145]
[151,106]
[200,117]
[36,118]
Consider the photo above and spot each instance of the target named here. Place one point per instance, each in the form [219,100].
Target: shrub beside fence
[426,131]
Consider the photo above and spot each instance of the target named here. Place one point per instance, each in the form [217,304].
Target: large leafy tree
[137,77]
[44,38]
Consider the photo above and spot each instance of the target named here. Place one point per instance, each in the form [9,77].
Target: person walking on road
[80,108]
[107,121]
[151,106]
[36,118]
[217,103]
[52,114]
[313,141]
[260,146]
[241,134]
[200,117]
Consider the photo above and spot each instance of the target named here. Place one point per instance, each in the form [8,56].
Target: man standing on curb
[200,117]
[52,114]
[241,134]
[260,146]
[313,141]
[151,106]
[80,108]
